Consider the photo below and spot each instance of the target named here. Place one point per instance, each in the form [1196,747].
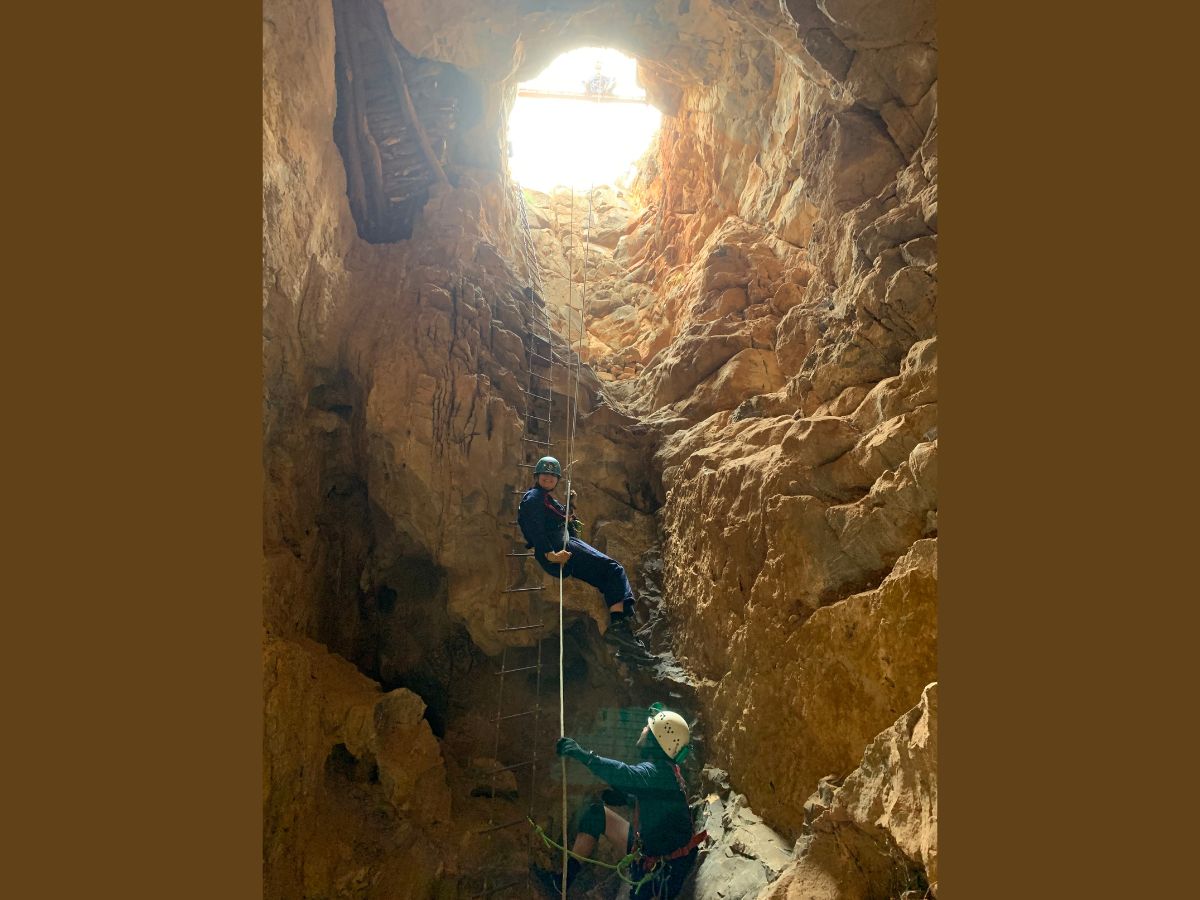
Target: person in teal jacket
[661,830]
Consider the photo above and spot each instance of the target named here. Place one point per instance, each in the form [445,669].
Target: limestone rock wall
[392,375]
[793,371]
[355,796]
[763,403]
[392,433]
[307,233]
[585,282]
[744,853]
[875,835]
[825,687]
[437,346]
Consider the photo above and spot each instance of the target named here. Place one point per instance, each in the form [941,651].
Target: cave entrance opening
[583,121]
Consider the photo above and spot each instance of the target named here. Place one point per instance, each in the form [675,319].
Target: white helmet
[670,730]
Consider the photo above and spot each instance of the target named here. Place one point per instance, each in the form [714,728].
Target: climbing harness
[621,866]
[652,871]
[651,863]
[654,868]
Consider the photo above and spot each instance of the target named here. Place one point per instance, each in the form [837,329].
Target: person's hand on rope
[568,747]
[559,557]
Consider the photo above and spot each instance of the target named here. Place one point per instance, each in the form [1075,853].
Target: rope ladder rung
[520,765]
[520,715]
[521,669]
[498,827]
[554,357]
[504,887]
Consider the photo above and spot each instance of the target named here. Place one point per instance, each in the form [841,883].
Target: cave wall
[392,433]
[790,361]
[776,294]
[355,801]
[307,233]
[873,833]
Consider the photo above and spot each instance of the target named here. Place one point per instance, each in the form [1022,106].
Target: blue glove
[567,747]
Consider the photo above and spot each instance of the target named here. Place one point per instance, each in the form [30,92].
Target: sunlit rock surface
[756,433]
[876,834]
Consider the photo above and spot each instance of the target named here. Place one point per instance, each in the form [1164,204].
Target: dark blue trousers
[591,566]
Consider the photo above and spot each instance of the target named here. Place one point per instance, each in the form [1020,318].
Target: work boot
[629,646]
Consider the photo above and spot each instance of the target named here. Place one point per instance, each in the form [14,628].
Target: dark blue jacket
[664,820]
[543,521]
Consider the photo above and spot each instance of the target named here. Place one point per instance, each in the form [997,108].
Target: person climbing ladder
[660,837]
[544,524]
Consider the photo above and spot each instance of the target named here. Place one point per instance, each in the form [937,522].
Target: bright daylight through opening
[583,121]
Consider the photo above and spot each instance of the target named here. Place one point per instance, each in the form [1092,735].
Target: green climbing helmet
[548,464]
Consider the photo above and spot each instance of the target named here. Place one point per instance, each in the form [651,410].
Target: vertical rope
[562,760]
[573,362]
[562,715]
[587,244]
